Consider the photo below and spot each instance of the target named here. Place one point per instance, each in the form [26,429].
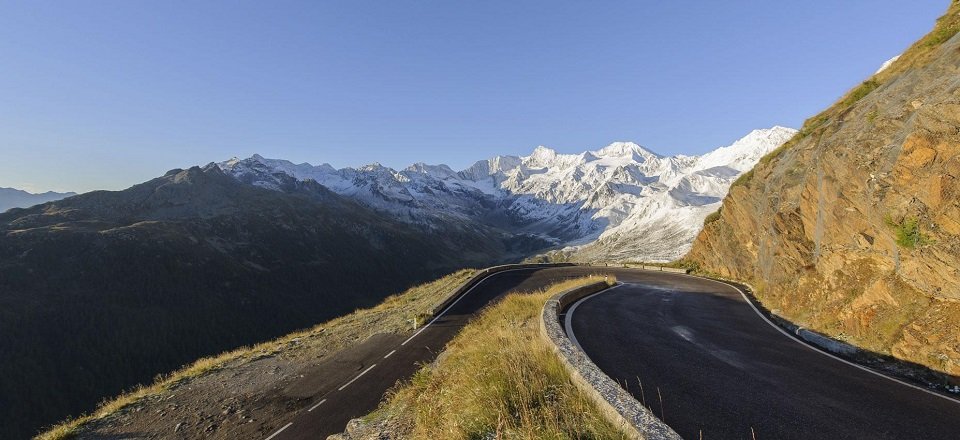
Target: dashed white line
[315,406]
[279,431]
[444,312]
[355,378]
[404,343]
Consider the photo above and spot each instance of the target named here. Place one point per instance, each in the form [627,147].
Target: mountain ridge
[187,265]
[570,200]
[17,198]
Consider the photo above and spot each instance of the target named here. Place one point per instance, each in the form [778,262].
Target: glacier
[616,204]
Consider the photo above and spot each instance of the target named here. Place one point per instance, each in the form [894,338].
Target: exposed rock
[853,229]
[358,429]
[618,203]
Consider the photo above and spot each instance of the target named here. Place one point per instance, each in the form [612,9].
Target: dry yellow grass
[917,55]
[392,315]
[498,379]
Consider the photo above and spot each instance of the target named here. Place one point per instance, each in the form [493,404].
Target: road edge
[482,275]
[824,345]
[617,405]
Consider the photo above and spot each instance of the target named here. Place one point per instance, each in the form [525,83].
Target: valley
[789,284]
[246,250]
[592,206]
[124,286]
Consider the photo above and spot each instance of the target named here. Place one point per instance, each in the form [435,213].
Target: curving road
[351,383]
[721,370]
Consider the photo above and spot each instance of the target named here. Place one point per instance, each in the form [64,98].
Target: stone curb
[617,405]
[641,266]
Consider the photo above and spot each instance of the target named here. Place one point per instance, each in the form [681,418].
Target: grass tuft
[908,232]
[499,379]
[712,217]
[918,55]
[860,92]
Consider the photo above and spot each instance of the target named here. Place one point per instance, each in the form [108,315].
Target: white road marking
[279,431]
[439,315]
[568,320]
[315,406]
[444,312]
[355,378]
[418,332]
[794,339]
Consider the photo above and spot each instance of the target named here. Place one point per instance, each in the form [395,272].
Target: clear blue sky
[105,94]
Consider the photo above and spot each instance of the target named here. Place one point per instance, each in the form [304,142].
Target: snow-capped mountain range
[619,203]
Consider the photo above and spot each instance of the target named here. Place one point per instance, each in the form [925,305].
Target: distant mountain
[104,290]
[621,202]
[15,198]
[198,261]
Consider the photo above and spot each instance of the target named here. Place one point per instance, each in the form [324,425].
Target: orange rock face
[854,228]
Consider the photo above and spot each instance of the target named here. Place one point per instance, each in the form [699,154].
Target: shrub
[946,29]
[744,178]
[858,93]
[714,216]
[908,232]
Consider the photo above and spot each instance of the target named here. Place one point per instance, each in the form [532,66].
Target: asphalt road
[354,382]
[723,372]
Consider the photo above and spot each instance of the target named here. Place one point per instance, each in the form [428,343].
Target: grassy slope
[391,315]
[919,54]
[821,312]
[130,278]
[497,379]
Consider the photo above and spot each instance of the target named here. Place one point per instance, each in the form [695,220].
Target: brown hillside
[853,227]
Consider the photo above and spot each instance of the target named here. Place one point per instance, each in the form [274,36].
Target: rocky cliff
[852,228]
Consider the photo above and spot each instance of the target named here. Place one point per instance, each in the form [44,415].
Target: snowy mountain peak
[543,152]
[374,166]
[621,149]
[541,157]
[232,161]
[616,197]
[887,64]
[496,166]
[747,151]
[754,139]
[437,171]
